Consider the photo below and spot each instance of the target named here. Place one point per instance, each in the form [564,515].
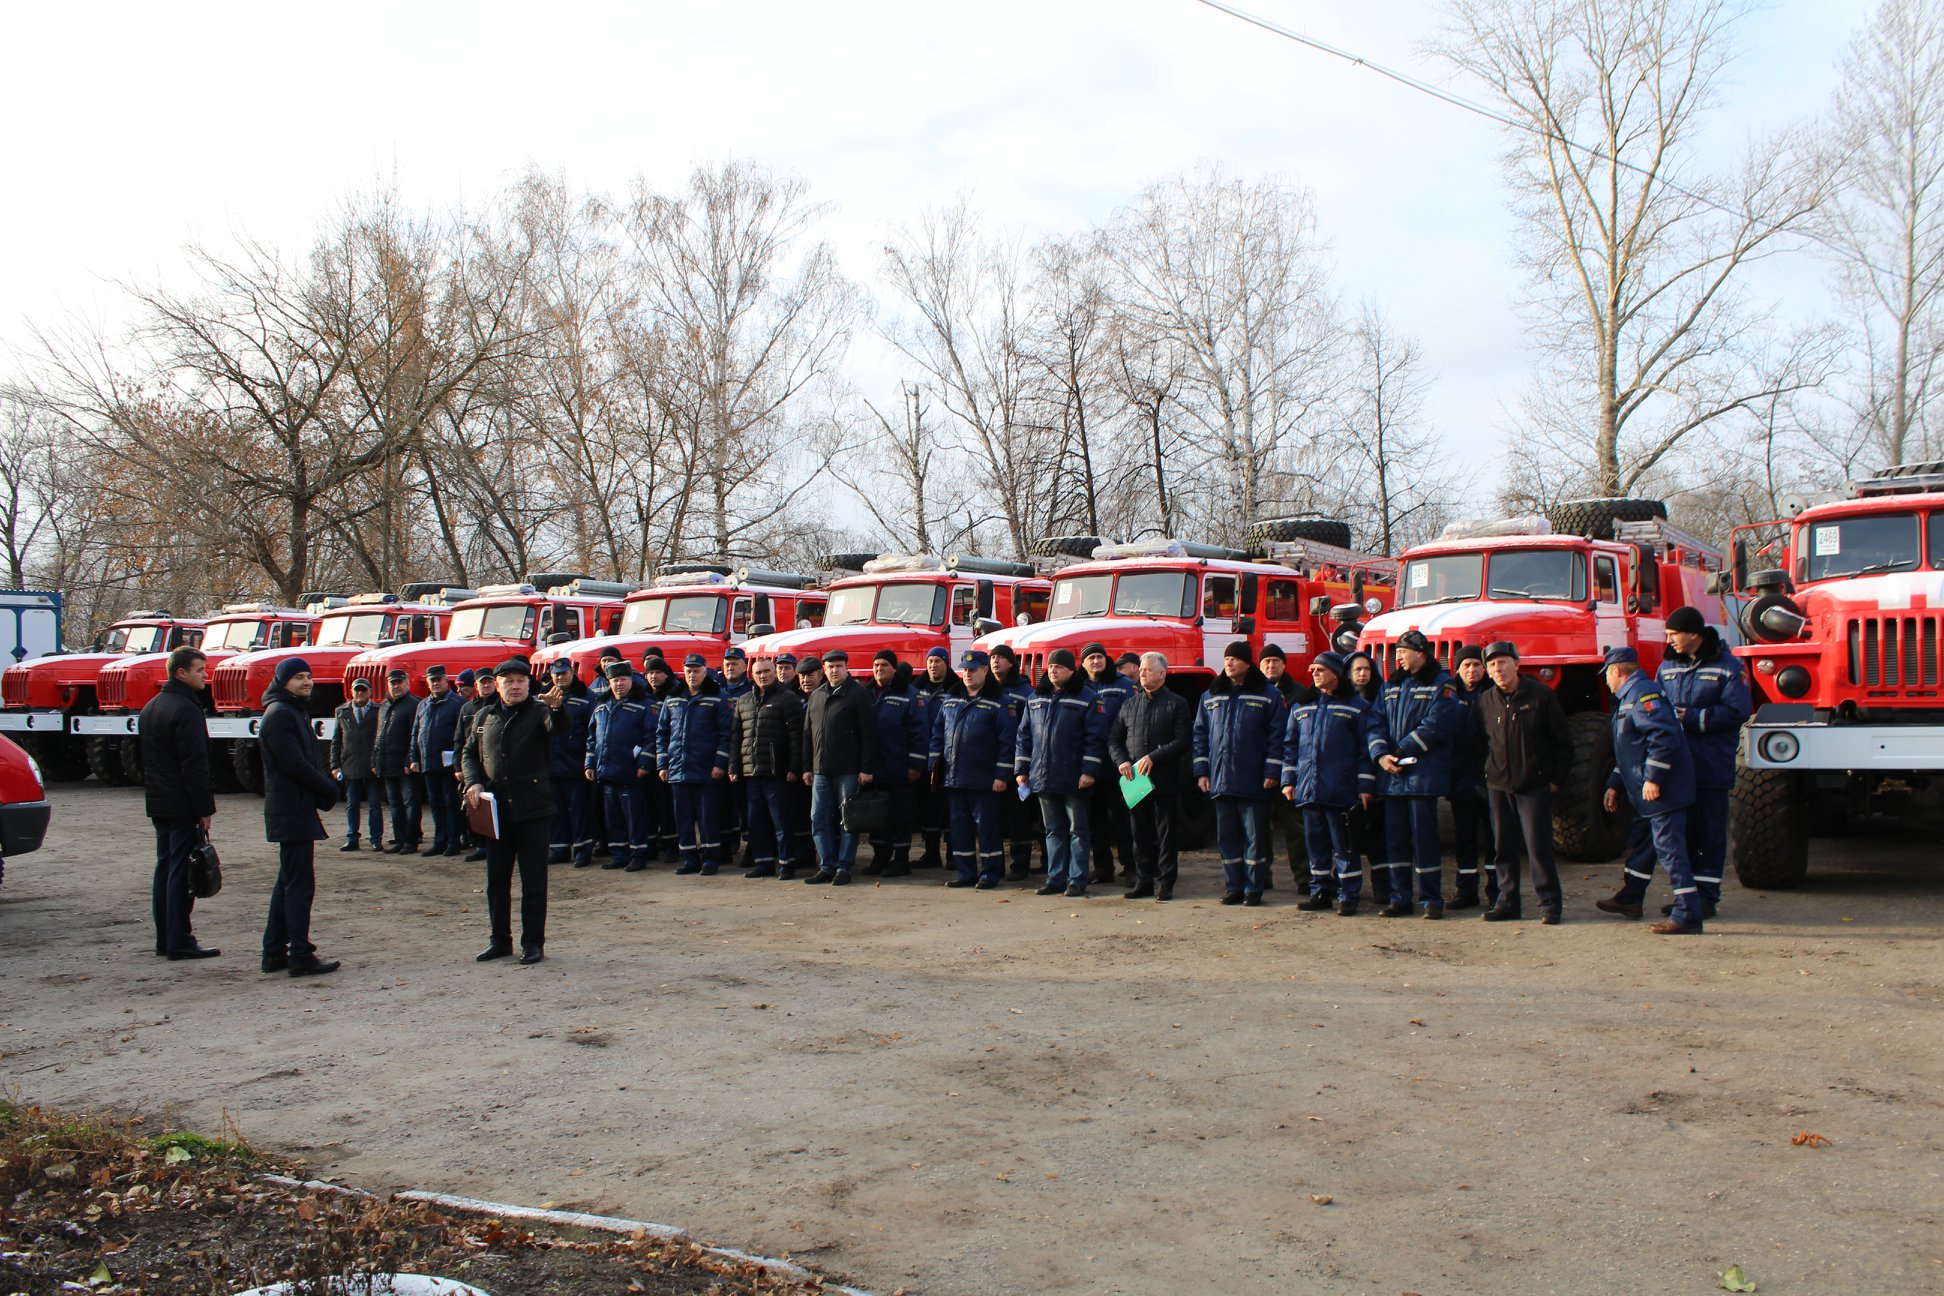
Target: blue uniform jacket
[567,750]
[692,734]
[903,729]
[1239,736]
[973,738]
[620,740]
[1330,749]
[1709,694]
[435,730]
[1648,745]
[1422,716]
[1468,746]
[1062,735]
[1113,692]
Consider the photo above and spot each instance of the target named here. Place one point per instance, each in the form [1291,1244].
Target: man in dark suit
[295,789]
[180,796]
[351,763]
[1153,735]
[507,755]
[392,758]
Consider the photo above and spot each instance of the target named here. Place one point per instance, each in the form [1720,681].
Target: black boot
[900,865]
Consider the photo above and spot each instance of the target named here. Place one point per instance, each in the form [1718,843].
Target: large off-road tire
[1066,546]
[1594,518]
[843,561]
[62,757]
[246,763]
[1768,828]
[1329,531]
[1582,829]
[130,752]
[104,760]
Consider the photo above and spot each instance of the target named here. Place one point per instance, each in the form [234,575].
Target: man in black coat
[1154,735]
[392,757]
[766,757]
[1528,753]
[296,789]
[180,796]
[839,749]
[507,755]
[352,743]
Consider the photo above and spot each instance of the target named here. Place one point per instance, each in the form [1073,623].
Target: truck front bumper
[33,721]
[107,726]
[23,826]
[1783,737]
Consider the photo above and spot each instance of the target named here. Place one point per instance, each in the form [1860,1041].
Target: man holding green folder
[1150,742]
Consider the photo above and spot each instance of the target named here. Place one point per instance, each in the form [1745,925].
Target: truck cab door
[1219,610]
[964,618]
[1609,610]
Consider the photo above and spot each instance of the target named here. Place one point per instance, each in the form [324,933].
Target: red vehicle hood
[260,668]
[142,677]
[1181,643]
[860,641]
[1550,633]
[672,647]
[453,654]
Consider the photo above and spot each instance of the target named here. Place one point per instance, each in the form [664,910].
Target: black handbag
[205,869]
[867,812]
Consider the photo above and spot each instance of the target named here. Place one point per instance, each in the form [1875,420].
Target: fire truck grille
[226,686]
[1894,651]
[1032,665]
[370,672]
[13,688]
[111,689]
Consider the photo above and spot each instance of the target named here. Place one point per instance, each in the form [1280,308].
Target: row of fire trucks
[1836,610]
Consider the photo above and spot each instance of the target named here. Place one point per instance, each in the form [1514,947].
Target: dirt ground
[963,1092]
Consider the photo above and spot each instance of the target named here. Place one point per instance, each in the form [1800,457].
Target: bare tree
[901,474]
[1885,157]
[1636,255]
[1404,480]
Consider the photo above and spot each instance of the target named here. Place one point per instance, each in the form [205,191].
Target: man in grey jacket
[352,765]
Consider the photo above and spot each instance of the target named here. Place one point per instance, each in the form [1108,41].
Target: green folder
[1134,790]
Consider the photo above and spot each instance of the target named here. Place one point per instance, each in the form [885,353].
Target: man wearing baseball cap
[1018,820]
[1238,747]
[729,811]
[929,807]
[507,756]
[1705,685]
[1422,716]
[480,692]
[392,755]
[1331,746]
[619,758]
[571,837]
[1528,755]
[1469,822]
[1651,765]
[972,744]
[434,730]
[1110,830]
[840,749]
[692,751]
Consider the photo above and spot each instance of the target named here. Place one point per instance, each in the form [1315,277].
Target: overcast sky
[136,128]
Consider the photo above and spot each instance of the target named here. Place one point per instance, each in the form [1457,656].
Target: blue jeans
[836,849]
[1662,837]
[367,794]
[766,818]
[1069,839]
[405,794]
[1416,854]
[1334,869]
[1242,837]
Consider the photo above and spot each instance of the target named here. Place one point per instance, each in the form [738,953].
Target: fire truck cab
[501,621]
[698,608]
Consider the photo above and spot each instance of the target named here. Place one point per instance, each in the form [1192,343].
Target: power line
[1480,110]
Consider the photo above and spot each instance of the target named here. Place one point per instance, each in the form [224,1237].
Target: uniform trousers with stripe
[1416,856]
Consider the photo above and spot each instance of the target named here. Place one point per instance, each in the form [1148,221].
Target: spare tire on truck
[1329,531]
[1583,831]
[1768,828]
[1594,518]
[1066,546]
[843,561]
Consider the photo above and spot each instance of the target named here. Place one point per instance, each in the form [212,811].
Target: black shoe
[959,882]
[1050,889]
[586,863]
[820,877]
[1463,902]
[378,846]
[1346,908]
[615,864]
[1101,877]
[350,845]
[1433,912]
[531,954]
[434,849]
[493,951]
[1164,895]
[314,967]
[1141,891]
[1315,904]
[1707,911]
[872,869]
[786,875]
[275,962]
[897,870]
[475,855]
[842,879]
[762,871]
[1500,914]
[636,867]
[1616,906]
[1076,893]
[396,848]
[1252,899]
[1550,917]
[1017,873]
[688,870]
[195,952]
[1231,897]
[461,850]
[987,884]
[1396,911]
[709,870]
[555,857]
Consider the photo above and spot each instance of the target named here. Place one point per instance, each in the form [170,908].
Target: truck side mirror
[386,641]
[560,637]
[1320,605]
[986,625]
[1740,571]
[760,629]
[1712,582]
[1245,625]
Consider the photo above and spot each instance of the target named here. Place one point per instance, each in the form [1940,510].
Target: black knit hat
[1469,652]
[1091,649]
[1240,650]
[1060,657]
[1686,620]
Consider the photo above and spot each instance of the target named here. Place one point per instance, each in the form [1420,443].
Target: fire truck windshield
[1446,578]
[1539,574]
[911,604]
[1081,596]
[695,614]
[362,630]
[850,606]
[643,616]
[1154,593]
[506,621]
[1857,546]
[235,636]
[135,639]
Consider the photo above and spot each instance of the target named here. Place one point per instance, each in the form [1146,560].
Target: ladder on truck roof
[1308,556]
[1669,541]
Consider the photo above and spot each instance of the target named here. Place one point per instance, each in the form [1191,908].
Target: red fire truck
[1592,575]
[345,628]
[1188,601]
[124,687]
[42,696]
[699,608]
[501,621]
[1844,616]
[910,603]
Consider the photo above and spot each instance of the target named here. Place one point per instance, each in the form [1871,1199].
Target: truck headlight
[1779,747]
[1793,681]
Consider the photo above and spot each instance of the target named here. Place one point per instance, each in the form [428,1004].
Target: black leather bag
[205,870]
[867,812]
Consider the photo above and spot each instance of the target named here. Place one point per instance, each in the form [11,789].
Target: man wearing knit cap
[1238,747]
[973,738]
[1061,754]
[1469,819]
[735,683]
[653,688]
[296,788]
[1285,820]
[692,751]
[1018,820]
[1705,685]
[352,737]
[619,759]
[1331,745]
[1528,755]
[571,837]
[480,692]
[1422,715]
[933,686]
[903,751]
[1110,829]
[840,753]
